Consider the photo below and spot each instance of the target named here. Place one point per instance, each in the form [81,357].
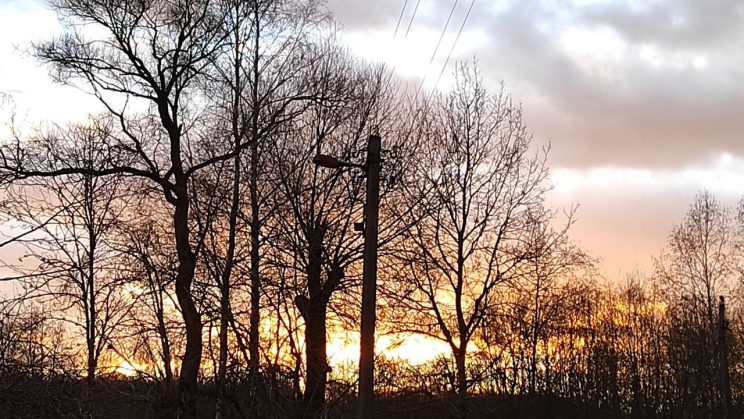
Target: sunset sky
[642,101]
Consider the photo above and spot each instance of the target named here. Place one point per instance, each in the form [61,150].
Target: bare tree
[270,49]
[153,52]
[555,273]
[148,52]
[31,342]
[148,265]
[481,185]
[69,258]
[317,229]
[700,263]
[700,260]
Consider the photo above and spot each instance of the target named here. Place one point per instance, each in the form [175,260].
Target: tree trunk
[532,372]
[222,366]
[315,353]
[225,312]
[91,376]
[254,335]
[461,380]
[313,311]
[255,320]
[187,382]
[164,342]
[91,334]
[91,276]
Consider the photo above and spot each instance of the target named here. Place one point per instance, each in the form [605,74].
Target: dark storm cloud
[649,106]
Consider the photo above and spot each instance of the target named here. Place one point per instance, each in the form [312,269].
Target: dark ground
[39,398]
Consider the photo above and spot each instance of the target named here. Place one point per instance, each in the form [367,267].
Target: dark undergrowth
[22,396]
[487,406]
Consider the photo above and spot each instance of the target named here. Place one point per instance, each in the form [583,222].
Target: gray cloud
[642,115]
[671,120]
[623,111]
[679,23]
[362,14]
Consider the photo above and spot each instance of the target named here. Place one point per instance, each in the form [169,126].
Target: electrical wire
[436,49]
[410,22]
[441,36]
[457,38]
[397,25]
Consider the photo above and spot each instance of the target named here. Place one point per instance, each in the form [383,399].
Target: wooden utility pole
[369,281]
[369,273]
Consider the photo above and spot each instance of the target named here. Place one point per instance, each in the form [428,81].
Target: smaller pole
[723,366]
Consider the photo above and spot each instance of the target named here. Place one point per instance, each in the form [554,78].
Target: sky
[642,102]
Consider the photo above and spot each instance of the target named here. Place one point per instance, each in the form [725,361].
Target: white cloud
[627,213]
[411,55]
[35,96]
[596,50]
[722,175]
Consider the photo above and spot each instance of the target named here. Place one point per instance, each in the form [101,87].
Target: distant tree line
[182,240]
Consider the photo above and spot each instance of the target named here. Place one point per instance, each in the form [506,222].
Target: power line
[457,38]
[415,9]
[408,29]
[439,42]
[397,25]
[441,36]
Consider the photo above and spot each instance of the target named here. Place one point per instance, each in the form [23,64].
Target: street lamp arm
[324,160]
